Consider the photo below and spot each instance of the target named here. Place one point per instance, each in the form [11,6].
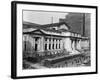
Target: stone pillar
[70,44]
[47,44]
[39,41]
[77,42]
[33,43]
[42,44]
[61,44]
[54,44]
[73,45]
[87,43]
[57,44]
[79,45]
[51,43]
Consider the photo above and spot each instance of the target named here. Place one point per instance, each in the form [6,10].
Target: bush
[25,66]
[32,59]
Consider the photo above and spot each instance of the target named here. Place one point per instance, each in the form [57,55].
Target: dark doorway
[36,47]
[36,43]
[45,46]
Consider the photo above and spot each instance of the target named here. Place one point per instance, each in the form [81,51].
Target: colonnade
[41,43]
[53,44]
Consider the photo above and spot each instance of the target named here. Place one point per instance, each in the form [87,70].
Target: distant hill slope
[29,25]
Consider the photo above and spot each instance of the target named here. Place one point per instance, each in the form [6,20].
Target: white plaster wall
[73,45]
[66,34]
[78,45]
[63,27]
[85,44]
[30,39]
[67,44]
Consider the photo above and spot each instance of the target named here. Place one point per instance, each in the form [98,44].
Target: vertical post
[61,44]
[47,44]
[34,43]
[77,44]
[57,44]
[54,44]
[25,44]
[42,44]
[51,43]
[83,24]
[39,44]
[80,44]
[73,45]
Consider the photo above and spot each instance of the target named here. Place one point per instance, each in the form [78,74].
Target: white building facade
[52,39]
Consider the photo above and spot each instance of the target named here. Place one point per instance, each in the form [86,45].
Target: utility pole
[83,24]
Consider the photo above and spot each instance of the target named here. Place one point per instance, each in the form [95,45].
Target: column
[51,43]
[33,43]
[73,45]
[60,44]
[79,44]
[39,40]
[54,44]
[88,43]
[57,44]
[70,45]
[42,44]
[47,44]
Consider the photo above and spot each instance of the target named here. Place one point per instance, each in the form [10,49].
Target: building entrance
[37,43]
[36,47]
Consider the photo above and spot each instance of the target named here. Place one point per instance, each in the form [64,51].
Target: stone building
[52,39]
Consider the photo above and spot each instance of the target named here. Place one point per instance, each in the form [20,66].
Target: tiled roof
[47,26]
[38,26]
[51,30]
[63,30]
[30,25]
[55,24]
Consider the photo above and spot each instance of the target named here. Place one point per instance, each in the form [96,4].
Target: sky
[42,17]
